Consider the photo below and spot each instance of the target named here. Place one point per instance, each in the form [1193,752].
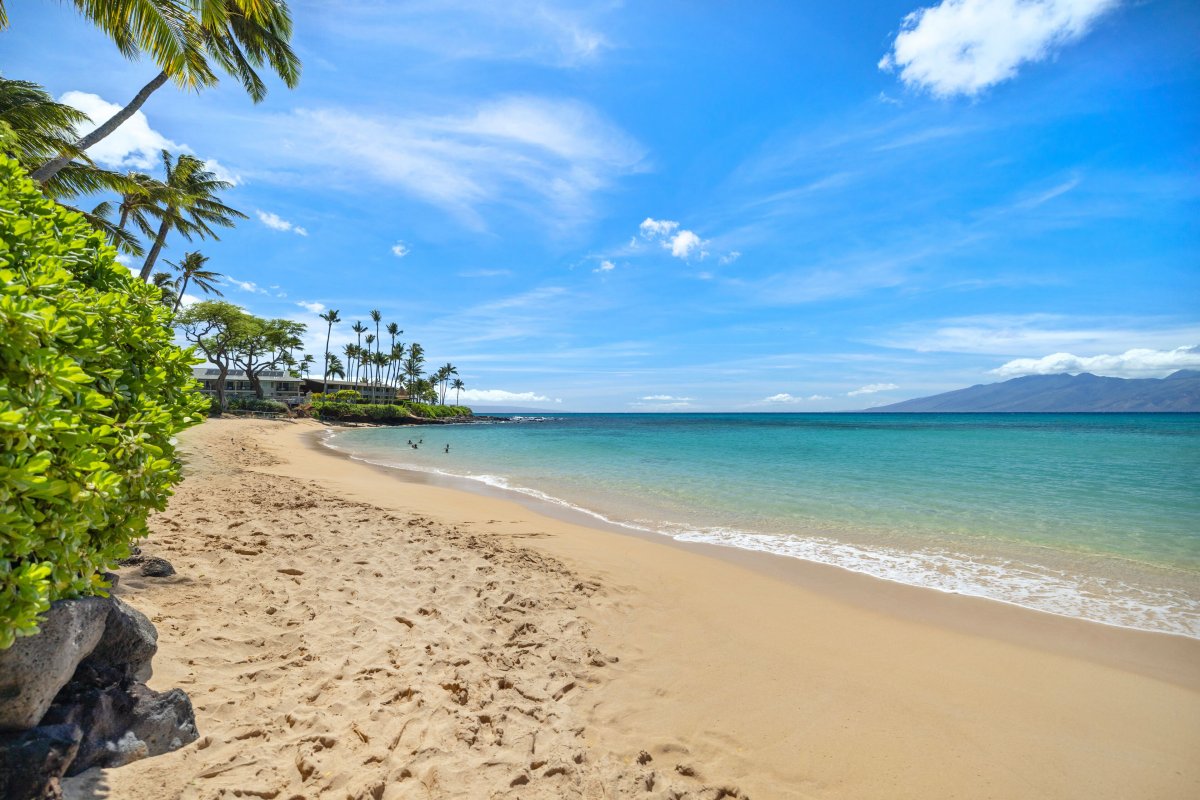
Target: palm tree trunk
[124,219]
[163,230]
[182,289]
[328,334]
[51,168]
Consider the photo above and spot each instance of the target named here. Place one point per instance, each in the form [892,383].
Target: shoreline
[345,633]
[1164,655]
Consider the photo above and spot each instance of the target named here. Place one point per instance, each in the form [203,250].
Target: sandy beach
[345,633]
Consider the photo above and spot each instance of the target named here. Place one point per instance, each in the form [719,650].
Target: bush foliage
[254,404]
[377,412]
[91,391]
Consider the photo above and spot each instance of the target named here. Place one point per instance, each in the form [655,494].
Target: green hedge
[254,404]
[377,412]
[92,389]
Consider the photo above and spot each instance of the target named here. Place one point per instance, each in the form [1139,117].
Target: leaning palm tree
[335,369]
[192,205]
[359,329]
[330,316]
[395,359]
[457,385]
[187,38]
[42,128]
[191,270]
[141,202]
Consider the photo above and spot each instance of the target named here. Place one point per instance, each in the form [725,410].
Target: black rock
[129,642]
[32,761]
[157,568]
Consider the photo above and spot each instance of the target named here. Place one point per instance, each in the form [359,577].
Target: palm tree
[305,364]
[413,366]
[366,360]
[376,316]
[192,206]
[335,368]
[380,360]
[41,129]
[140,202]
[330,316]
[191,269]
[444,377]
[457,385]
[165,282]
[395,358]
[237,36]
[360,329]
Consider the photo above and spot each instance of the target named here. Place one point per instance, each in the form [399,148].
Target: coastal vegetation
[92,392]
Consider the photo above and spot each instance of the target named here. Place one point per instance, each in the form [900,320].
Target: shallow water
[1095,516]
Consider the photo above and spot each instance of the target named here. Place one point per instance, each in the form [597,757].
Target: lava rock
[35,668]
[129,642]
[157,568]
[32,761]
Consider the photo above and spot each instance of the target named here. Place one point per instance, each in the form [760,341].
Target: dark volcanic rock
[31,762]
[35,668]
[129,642]
[157,568]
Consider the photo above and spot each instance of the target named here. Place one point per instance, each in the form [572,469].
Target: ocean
[1085,515]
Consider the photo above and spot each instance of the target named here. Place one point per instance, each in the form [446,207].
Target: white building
[276,384]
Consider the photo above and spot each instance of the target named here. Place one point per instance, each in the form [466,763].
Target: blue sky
[704,205]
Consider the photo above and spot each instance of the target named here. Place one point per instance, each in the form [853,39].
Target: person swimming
[447,448]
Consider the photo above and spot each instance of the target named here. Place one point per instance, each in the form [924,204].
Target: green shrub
[347,396]
[91,391]
[254,404]
[380,412]
[428,411]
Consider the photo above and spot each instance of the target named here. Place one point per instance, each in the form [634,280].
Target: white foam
[1040,588]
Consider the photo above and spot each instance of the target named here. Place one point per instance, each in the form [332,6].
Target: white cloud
[666,398]
[278,223]
[543,156]
[245,286]
[222,172]
[683,244]
[656,228]
[730,257]
[315,308]
[1018,334]
[605,266]
[872,388]
[400,250]
[134,145]
[503,396]
[785,398]
[965,46]
[1137,363]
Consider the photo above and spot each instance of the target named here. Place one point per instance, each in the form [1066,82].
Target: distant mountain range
[1179,391]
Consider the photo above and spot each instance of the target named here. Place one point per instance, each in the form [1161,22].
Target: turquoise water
[1095,516]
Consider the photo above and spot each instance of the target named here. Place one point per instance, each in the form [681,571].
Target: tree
[376,316]
[305,364]
[191,270]
[192,205]
[331,317]
[395,359]
[444,377]
[359,329]
[186,38]
[262,344]
[336,368]
[368,355]
[215,327]
[165,282]
[457,385]
[393,330]
[42,128]
[413,366]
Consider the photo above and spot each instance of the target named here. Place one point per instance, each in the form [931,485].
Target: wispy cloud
[1022,334]
[312,308]
[605,266]
[1137,363]
[278,223]
[965,46]
[485,273]
[783,398]
[245,286]
[504,396]
[400,250]
[872,388]
[544,156]
[558,35]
